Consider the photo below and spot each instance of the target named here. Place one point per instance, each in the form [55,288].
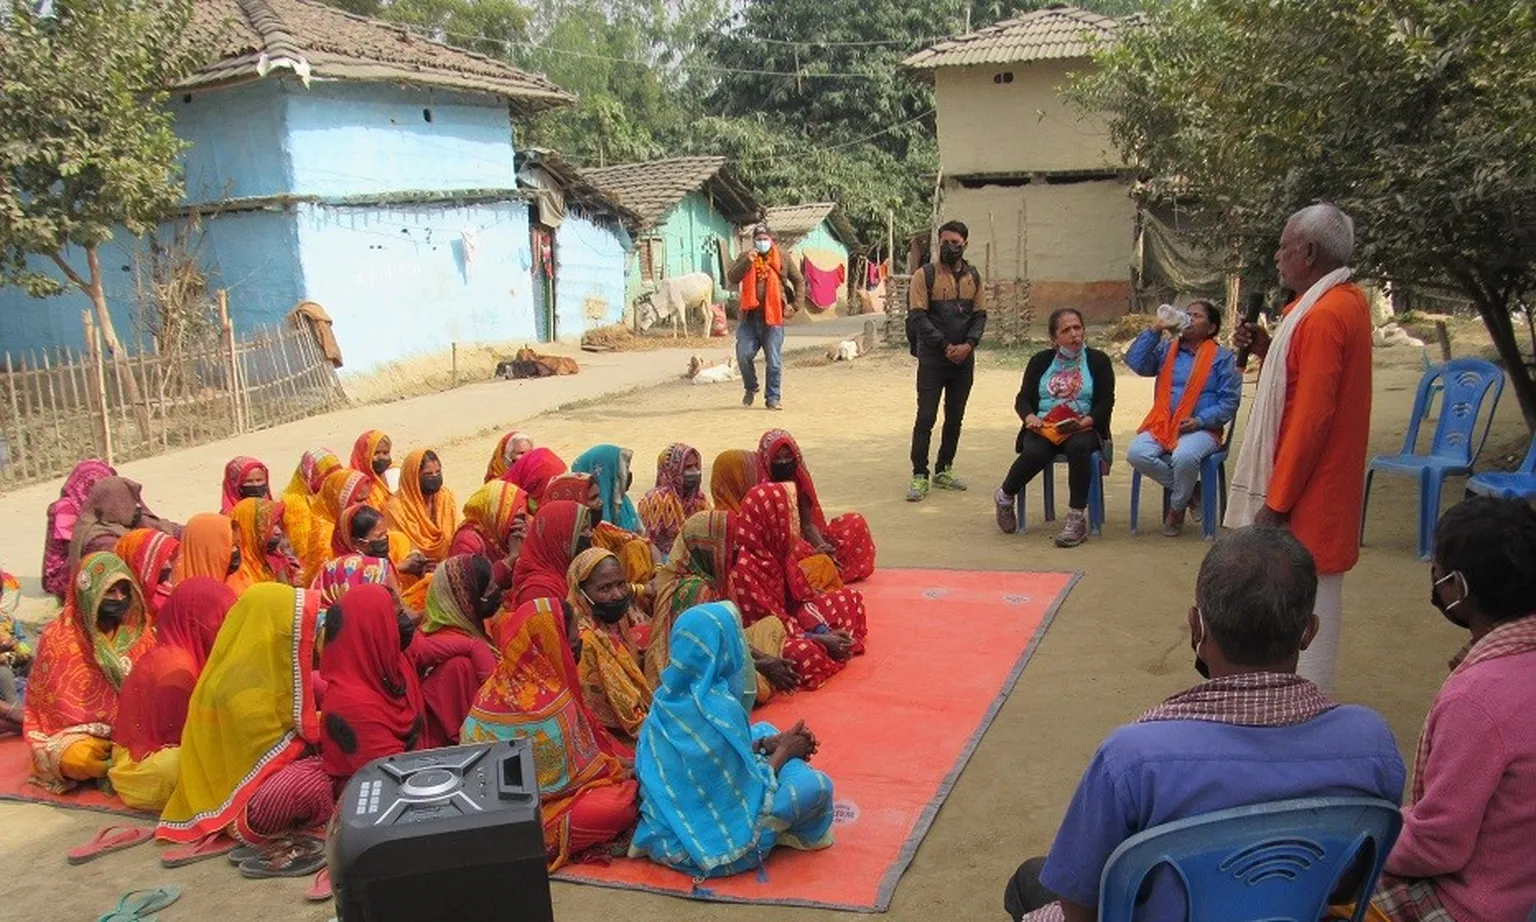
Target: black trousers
[1024,893]
[1038,452]
[940,379]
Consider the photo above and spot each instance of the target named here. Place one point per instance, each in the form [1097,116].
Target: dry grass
[433,373]
[620,338]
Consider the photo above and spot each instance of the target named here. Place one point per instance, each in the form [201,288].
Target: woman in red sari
[825,629]
[152,706]
[533,472]
[495,520]
[559,532]
[151,555]
[451,651]
[244,478]
[588,794]
[846,538]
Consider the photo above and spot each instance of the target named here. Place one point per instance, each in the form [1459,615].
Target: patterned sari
[362,462]
[428,521]
[665,508]
[612,682]
[489,515]
[695,573]
[259,523]
[72,691]
[252,713]
[451,650]
[304,510]
[150,555]
[348,572]
[235,472]
[853,545]
[586,790]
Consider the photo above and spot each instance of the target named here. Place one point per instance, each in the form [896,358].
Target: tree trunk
[1501,328]
[114,347]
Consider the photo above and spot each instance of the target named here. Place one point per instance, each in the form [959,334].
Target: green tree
[485,26]
[1415,116]
[86,145]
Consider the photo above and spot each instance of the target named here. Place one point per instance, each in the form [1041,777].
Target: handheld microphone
[1250,315]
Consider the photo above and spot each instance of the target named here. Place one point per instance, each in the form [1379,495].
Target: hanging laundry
[822,285]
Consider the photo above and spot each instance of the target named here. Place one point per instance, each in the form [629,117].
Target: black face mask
[113,609]
[380,465]
[583,544]
[235,561]
[407,628]
[691,482]
[609,612]
[950,253]
[487,605]
[253,490]
[378,547]
[1446,610]
[783,471]
[431,483]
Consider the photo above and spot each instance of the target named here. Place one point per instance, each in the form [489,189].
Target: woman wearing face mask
[342,491]
[610,642]
[1065,402]
[615,523]
[559,532]
[845,539]
[424,510]
[678,494]
[244,478]
[113,508]
[1465,849]
[83,656]
[151,555]
[372,457]
[210,547]
[265,555]
[452,650]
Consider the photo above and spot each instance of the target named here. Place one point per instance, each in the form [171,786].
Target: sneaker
[1007,514]
[946,480]
[747,397]
[775,405]
[1173,526]
[917,489]
[1075,531]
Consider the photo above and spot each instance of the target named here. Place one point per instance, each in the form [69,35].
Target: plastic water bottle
[1172,316]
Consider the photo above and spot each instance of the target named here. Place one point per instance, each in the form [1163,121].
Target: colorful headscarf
[362,462]
[534,694]
[235,473]
[341,537]
[429,522]
[766,578]
[492,511]
[501,458]
[610,465]
[533,472]
[347,572]
[148,553]
[10,630]
[251,714]
[772,441]
[731,476]
[548,551]
[153,706]
[207,547]
[259,523]
[456,585]
[373,705]
[576,488]
[694,574]
[342,489]
[304,516]
[665,508]
[611,680]
[62,515]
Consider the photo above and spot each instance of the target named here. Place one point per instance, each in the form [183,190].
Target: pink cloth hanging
[823,285]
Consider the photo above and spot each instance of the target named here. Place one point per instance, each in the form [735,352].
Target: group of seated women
[232,673]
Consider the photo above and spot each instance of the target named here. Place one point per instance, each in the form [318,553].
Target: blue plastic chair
[1213,490]
[1434,388]
[1519,484]
[1451,452]
[1048,484]
[1277,862]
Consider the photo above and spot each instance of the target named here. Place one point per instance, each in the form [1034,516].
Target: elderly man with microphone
[1303,456]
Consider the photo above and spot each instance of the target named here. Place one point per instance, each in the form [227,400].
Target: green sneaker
[917,489]
[946,480]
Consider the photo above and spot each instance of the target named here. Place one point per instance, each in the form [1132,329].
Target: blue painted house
[818,234]
[345,161]
[689,208]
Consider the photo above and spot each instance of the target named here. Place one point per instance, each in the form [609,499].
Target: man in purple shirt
[1255,732]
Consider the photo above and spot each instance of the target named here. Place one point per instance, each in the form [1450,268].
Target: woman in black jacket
[1065,402]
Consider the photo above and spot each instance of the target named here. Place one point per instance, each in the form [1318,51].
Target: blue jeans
[752,335]
[1179,470]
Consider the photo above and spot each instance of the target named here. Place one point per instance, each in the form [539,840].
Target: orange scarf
[773,291]
[1163,421]
[428,521]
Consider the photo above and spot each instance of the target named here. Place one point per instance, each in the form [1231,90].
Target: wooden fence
[58,407]
[1009,314]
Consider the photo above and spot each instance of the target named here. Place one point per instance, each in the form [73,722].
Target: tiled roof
[1056,32]
[245,40]
[654,187]
[578,187]
[789,223]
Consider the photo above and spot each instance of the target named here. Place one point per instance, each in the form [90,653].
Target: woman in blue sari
[716,792]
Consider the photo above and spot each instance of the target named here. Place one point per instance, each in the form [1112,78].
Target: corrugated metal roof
[652,188]
[1054,33]
[248,39]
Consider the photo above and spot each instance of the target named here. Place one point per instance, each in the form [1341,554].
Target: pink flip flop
[320,890]
[209,846]
[109,839]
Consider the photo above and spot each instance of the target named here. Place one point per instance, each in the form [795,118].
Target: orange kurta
[1321,453]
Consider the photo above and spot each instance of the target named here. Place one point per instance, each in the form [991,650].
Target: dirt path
[1118,645]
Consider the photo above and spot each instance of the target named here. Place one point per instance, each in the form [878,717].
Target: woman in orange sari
[265,555]
[678,494]
[209,547]
[846,538]
[532,473]
[151,555]
[611,640]
[424,510]
[83,657]
[371,457]
[512,446]
[304,511]
[587,792]
[731,476]
[342,491]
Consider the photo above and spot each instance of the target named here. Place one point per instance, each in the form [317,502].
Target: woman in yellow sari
[265,556]
[252,726]
[611,641]
[424,510]
[304,511]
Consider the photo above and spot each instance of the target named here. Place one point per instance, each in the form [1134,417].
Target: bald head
[1317,240]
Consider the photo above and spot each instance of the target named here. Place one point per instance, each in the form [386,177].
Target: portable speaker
[450,834]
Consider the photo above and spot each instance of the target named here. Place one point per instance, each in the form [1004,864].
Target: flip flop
[242,853]
[139,905]
[320,890]
[109,839]
[209,846]
[297,859]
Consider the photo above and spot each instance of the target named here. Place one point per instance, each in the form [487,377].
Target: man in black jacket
[946,315]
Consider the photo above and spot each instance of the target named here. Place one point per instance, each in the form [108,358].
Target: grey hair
[1330,228]
[1256,591]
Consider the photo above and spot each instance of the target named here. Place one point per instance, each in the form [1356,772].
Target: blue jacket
[1223,388]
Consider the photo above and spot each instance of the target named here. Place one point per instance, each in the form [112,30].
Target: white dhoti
[1319,659]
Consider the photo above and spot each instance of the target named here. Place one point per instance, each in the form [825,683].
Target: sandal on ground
[297,859]
[109,839]
[320,889]
[141,905]
[210,846]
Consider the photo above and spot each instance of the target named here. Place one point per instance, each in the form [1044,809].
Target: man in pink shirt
[1467,852]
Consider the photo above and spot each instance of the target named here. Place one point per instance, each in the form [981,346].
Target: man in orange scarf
[1195,398]
[772,290]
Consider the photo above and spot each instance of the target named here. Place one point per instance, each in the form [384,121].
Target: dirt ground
[1118,645]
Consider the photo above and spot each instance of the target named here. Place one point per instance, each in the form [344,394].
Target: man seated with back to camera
[1253,733]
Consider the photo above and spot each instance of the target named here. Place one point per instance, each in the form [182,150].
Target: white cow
[673,298]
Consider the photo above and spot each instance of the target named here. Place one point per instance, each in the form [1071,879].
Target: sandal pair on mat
[141,905]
